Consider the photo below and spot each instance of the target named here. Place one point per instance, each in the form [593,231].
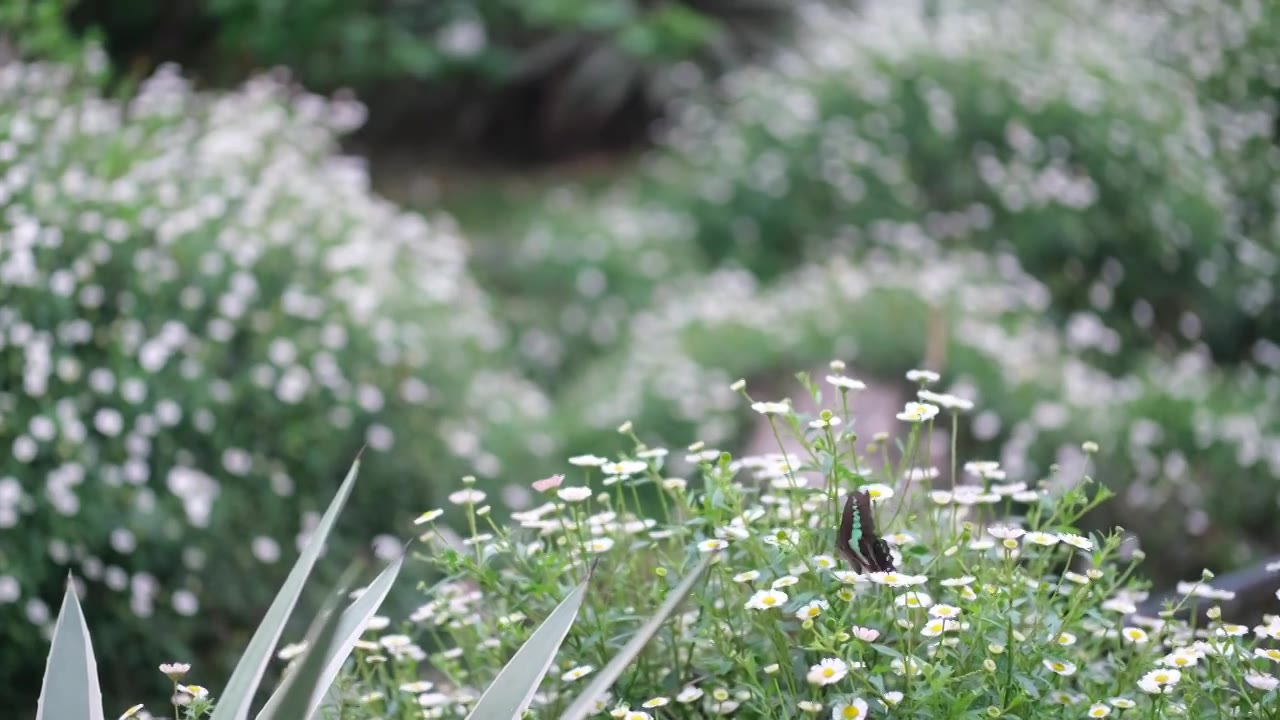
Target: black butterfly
[858,530]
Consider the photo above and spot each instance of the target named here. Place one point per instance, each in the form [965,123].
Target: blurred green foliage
[203,311]
[1085,209]
[37,28]
[554,73]
[1088,205]
[1084,161]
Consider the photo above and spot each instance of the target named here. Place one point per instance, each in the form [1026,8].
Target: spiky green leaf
[585,704]
[70,688]
[350,627]
[239,691]
[510,693]
[301,685]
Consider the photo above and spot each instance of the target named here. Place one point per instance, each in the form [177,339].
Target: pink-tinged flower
[550,483]
[865,633]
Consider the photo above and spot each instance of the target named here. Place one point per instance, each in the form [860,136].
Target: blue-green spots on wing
[856,538]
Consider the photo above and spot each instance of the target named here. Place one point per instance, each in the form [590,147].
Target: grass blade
[350,628]
[584,705]
[239,691]
[70,688]
[510,693]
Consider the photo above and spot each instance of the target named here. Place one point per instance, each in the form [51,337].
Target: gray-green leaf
[585,704]
[240,689]
[299,688]
[350,627]
[511,692]
[70,688]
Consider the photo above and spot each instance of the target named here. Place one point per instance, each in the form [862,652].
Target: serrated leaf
[70,688]
[585,703]
[350,628]
[512,690]
[239,691]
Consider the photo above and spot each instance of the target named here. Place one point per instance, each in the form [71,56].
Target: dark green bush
[533,75]
[202,310]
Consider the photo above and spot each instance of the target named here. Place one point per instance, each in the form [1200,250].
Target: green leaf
[584,705]
[1027,684]
[299,688]
[239,691]
[886,650]
[350,628]
[70,688]
[510,693]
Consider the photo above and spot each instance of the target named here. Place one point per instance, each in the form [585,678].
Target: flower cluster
[206,310]
[997,603]
[855,180]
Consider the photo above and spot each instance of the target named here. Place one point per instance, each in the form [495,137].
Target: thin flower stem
[909,459]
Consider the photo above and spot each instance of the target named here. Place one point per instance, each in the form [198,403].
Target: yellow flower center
[828,672]
[852,713]
[1161,678]
[768,600]
[1059,667]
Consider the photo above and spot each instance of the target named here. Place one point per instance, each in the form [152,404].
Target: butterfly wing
[874,549]
[872,553]
[844,535]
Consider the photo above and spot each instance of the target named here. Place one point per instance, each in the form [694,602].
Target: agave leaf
[70,688]
[296,691]
[240,688]
[584,705]
[510,693]
[350,628]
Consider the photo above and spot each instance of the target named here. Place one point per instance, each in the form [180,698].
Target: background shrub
[1073,210]
[1115,177]
[533,78]
[1187,448]
[205,315]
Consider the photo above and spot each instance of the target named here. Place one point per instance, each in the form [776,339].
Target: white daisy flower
[830,670]
[765,599]
[918,412]
[580,671]
[1060,667]
[1158,682]
[855,710]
